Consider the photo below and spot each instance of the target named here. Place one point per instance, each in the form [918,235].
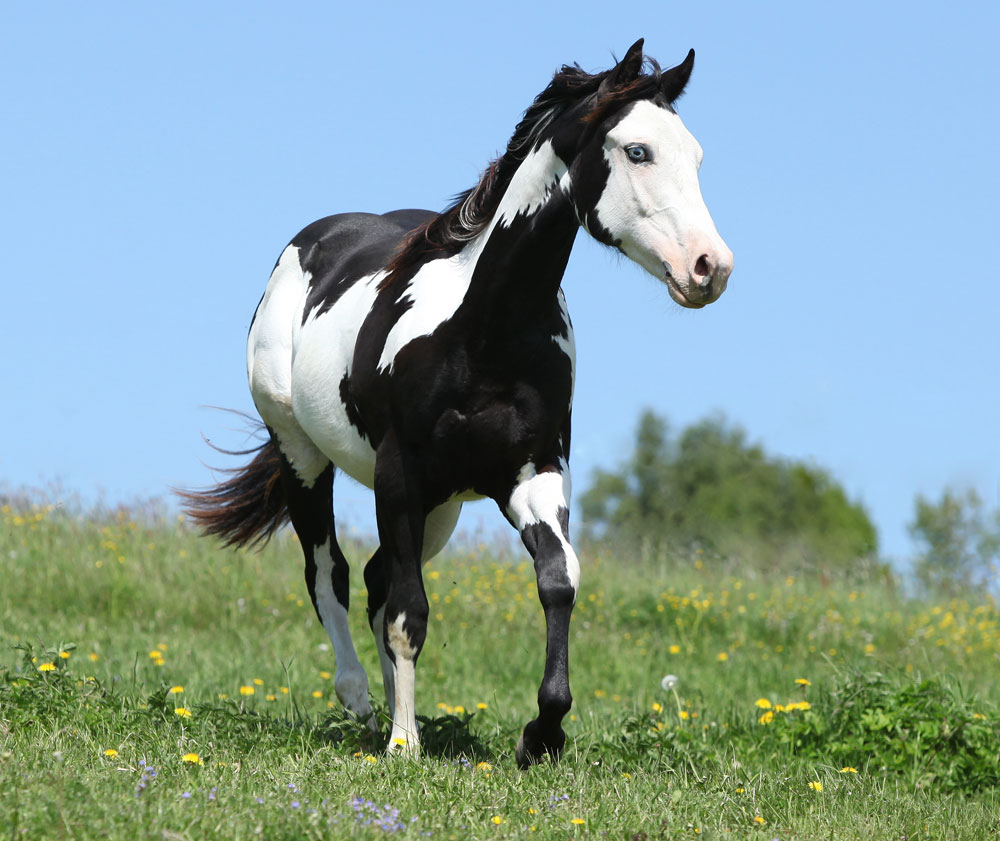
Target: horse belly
[322,359]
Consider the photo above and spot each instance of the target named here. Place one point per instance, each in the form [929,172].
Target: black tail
[249,506]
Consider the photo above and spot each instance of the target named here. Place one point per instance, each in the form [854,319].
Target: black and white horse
[430,356]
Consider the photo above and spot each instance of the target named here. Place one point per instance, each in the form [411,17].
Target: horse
[431,357]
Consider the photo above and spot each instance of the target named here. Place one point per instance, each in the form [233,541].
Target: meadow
[153,684]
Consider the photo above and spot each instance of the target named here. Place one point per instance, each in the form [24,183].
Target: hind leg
[310,506]
[438,527]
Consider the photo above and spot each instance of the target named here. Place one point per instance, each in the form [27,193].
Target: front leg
[539,509]
[400,514]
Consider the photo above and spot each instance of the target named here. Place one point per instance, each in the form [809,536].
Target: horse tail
[246,508]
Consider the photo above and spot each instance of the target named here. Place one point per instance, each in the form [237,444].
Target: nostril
[703,270]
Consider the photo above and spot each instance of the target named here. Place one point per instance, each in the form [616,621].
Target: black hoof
[536,743]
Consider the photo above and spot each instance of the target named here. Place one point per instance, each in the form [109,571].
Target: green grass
[903,691]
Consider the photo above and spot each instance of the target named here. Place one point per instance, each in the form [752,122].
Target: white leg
[351,682]
[405,737]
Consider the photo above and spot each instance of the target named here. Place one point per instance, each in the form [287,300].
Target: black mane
[471,211]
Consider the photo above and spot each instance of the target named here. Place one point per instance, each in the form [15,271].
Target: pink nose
[709,270]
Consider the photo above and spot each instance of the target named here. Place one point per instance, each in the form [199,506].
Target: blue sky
[155,159]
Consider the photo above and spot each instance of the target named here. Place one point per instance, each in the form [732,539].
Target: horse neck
[524,250]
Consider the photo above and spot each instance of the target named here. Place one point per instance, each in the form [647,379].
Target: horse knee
[406,632]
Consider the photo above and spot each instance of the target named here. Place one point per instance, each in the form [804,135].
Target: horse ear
[627,70]
[672,81]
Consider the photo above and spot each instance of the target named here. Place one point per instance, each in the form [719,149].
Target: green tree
[959,541]
[710,487]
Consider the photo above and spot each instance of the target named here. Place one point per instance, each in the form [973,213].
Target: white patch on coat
[269,363]
[404,737]
[438,528]
[537,498]
[323,352]
[435,292]
[350,682]
[538,175]
[438,288]
[568,343]
[656,209]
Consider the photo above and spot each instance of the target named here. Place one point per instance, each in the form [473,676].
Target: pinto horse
[430,356]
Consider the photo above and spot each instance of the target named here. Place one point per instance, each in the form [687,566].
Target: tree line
[709,487]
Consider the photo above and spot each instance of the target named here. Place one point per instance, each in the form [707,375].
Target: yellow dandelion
[758,819]
[284,690]
[324,675]
[767,718]
[801,681]
[657,707]
[358,753]
[183,712]
[258,682]
[497,820]
[371,760]
[400,740]
[482,706]
[317,694]
[740,790]
[763,703]
[675,649]
[247,690]
[64,654]
[94,656]
[47,667]
[722,656]
[192,758]
[815,785]
[847,769]
[270,697]
[111,753]
[162,646]
[155,655]
[684,714]
[979,716]
[176,690]
[460,709]
[577,821]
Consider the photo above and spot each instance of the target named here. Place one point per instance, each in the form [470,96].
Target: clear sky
[156,158]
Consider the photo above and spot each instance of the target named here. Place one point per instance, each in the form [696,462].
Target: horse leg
[539,509]
[310,506]
[400,514]
[438,527]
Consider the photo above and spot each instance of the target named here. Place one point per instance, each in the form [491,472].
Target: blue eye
[637,153]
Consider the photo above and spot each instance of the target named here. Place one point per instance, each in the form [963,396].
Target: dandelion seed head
[669,683]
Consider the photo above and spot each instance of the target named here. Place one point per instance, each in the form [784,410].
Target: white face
[653,205]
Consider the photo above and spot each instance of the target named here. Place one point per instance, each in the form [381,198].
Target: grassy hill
[153,684]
